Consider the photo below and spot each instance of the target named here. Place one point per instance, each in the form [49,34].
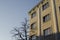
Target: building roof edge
[35,6]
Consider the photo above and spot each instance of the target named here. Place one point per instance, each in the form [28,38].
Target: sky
[12,13]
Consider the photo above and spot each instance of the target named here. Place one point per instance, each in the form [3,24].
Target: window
[47,31]
[33,26]
[33,14]
[46,5]
[46,18]
[33,37]
[59,8]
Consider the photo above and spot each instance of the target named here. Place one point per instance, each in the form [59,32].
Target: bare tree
[25,27]
[21,32]
[17,33]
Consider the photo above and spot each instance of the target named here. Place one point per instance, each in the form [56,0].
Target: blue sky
[12,13]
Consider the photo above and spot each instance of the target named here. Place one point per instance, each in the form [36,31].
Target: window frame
[59,8]
[33,38]
[47,31]
[46,18]
[33,25]
[45,6]
[33,14]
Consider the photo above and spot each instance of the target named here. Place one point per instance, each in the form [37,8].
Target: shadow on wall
[49,37]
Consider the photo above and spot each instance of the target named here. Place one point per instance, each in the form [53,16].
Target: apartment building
[45,20]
